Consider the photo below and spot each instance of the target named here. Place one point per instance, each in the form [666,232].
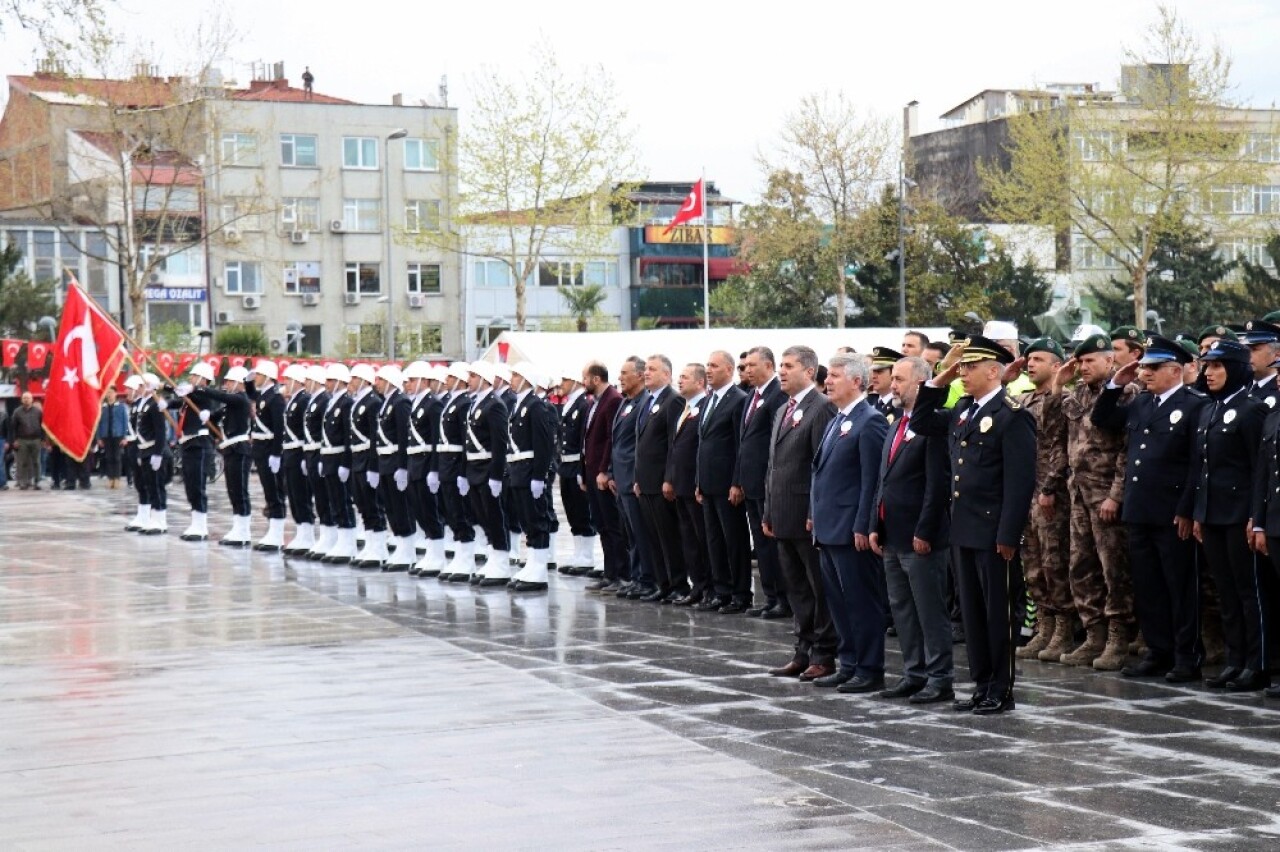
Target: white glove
[433,482]
[273,462]
[537,486]
[402,479]
[161,404]
[302,465]
[580,485]
[156,461]
[343,473]
[204,416]
[463,486]
[183,389]
[319,468]
[495,487]
[372,477]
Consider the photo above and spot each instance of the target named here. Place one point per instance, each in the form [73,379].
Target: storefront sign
[718,235]
[177,294]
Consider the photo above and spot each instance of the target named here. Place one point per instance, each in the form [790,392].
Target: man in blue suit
[846,472]
[621,474]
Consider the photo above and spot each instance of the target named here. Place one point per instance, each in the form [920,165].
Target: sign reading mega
[177,294]
[717,235]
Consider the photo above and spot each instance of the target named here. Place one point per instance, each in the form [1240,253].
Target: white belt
[448,448]
[573,458]
[311,447]
[413,451]
[231,442]
[146,445]
[201,434]
[479,456]
[523,455]
[332,451]
[389,450]
[291,445]
[131,439]
[360,448]
[263,436]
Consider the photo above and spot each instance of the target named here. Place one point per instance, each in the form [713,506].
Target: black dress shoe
[993,706]
[597,586]
[640,592]
[932,695]
[792,669]
[757,611]
[733,608]
[1249,680]
[957,633]
[1148,667]
[711,604]
[653,596]
[775,612]
[903,689]
[1182,674]
[862,684]
[526,586]
[674,595]
[1222,678]
[687,600]
[966,705]
[834,679]
[624,588]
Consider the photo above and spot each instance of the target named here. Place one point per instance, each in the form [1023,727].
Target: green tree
[1261,285]
[22,301]
[1017,291]
[242,340]
[583,302]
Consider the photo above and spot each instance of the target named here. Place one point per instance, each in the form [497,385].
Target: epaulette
[1196,392]
[1013,403]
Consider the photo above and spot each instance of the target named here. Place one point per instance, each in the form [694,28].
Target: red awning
[718,268]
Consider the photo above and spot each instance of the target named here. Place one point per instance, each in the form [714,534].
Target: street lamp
[389,275]
[1155,317]
[904,183]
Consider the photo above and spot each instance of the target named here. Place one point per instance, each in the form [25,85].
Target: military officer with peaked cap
[882,360]
[1263,340]
[992,443]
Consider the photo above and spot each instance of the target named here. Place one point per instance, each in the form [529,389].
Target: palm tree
[582,301]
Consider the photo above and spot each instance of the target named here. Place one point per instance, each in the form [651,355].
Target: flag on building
[37,354]
[9,350]
[86,360]
[693,207]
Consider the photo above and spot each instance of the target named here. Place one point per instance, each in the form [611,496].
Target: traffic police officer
[197,449]
[293,460]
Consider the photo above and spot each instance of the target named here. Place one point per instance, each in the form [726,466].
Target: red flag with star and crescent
[693,207]
[86,360]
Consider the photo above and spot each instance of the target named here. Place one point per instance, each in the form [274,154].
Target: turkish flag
[37,354]
[9,350]
[283,364]
[164,362]
[694,207]
[214,362]
[237,360]
[86,361]
[185,361]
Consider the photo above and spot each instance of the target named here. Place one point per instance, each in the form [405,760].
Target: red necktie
[791,406]
[755,403]
[898,436]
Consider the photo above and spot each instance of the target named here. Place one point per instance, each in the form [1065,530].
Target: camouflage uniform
[1045,542]
[1099,564]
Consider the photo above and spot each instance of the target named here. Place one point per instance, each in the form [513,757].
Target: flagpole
[706,254]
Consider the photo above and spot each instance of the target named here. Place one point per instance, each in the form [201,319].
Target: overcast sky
[706,83]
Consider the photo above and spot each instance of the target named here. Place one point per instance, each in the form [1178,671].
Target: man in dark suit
[912,536]
[622,477]
[798,429]
[750,469]
[846,469]
[680,484]
[728,537]
[597,444]
[992,442]
[655,428]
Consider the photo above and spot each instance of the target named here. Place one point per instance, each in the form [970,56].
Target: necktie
[971,413]
[832,431]
[711,407]
[898,436]
[787,422]
[751,409]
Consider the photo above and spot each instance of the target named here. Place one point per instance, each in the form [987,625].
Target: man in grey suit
[798,428]
[622,477]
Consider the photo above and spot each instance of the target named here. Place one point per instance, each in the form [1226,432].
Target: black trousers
[613,541]
[990,591]
[396,503]
[1234,574]
[489,514]
[111,453]
[235,467]
[456,508]
[367,501]
[197,454]
[129,464]
[1166,592]
[728,546]
[509,514]
[693,540]
[341,512]
[272,484]
[319,489]
[577,505]
[293,464]
[802,572]
[141,481]
[533,516]
[425,506]
[662,528]
[159,481]
[775,590]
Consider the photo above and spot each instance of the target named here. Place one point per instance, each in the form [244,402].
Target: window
[239,149]
[362,278]
[421,216]
[46,254]
[1263,147]
[1093,145]
[555,273]
[420,155]
[96,255]
[602,272]
[154,198]
[300,214]
[188,314]
[302,276]
[243,277]
[243,214]
[311,342]
[424,278]
[297,150]
[415,340]
[1228,199]
[1086,255]
[491,273]
[188,263]
[365,339]
[1266,199]
[359,152]
[361,214]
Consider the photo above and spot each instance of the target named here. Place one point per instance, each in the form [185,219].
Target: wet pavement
[156,693]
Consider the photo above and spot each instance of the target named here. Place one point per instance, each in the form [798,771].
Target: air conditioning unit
[416,300]
[251,302]
[335,226]
[351,299]
[298,237]
[276,344]
[155,279]
[223,317]
[310,299]
[231,235]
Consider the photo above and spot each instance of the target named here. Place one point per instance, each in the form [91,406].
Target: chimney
[397,99]
[911,120]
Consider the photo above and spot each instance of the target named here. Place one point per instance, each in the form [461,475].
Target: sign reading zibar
[719,235]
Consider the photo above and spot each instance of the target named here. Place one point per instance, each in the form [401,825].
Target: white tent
[569,351]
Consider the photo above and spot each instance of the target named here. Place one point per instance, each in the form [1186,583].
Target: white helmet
[134,382]
[391,373]
[296,372]
[503,371]
[484,370]
[152,380]
[203,370]
[338,372]
[459,370]
[1087,330]
[363,371]
[266,367]
[316,373]
[439,373]
[418,370]
[531,373]
[236,374]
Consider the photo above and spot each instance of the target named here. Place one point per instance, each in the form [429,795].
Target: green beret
[1189,345]
[1131,333]
[1093,343]
[1214,331]
[1046,344]
[1274,316]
